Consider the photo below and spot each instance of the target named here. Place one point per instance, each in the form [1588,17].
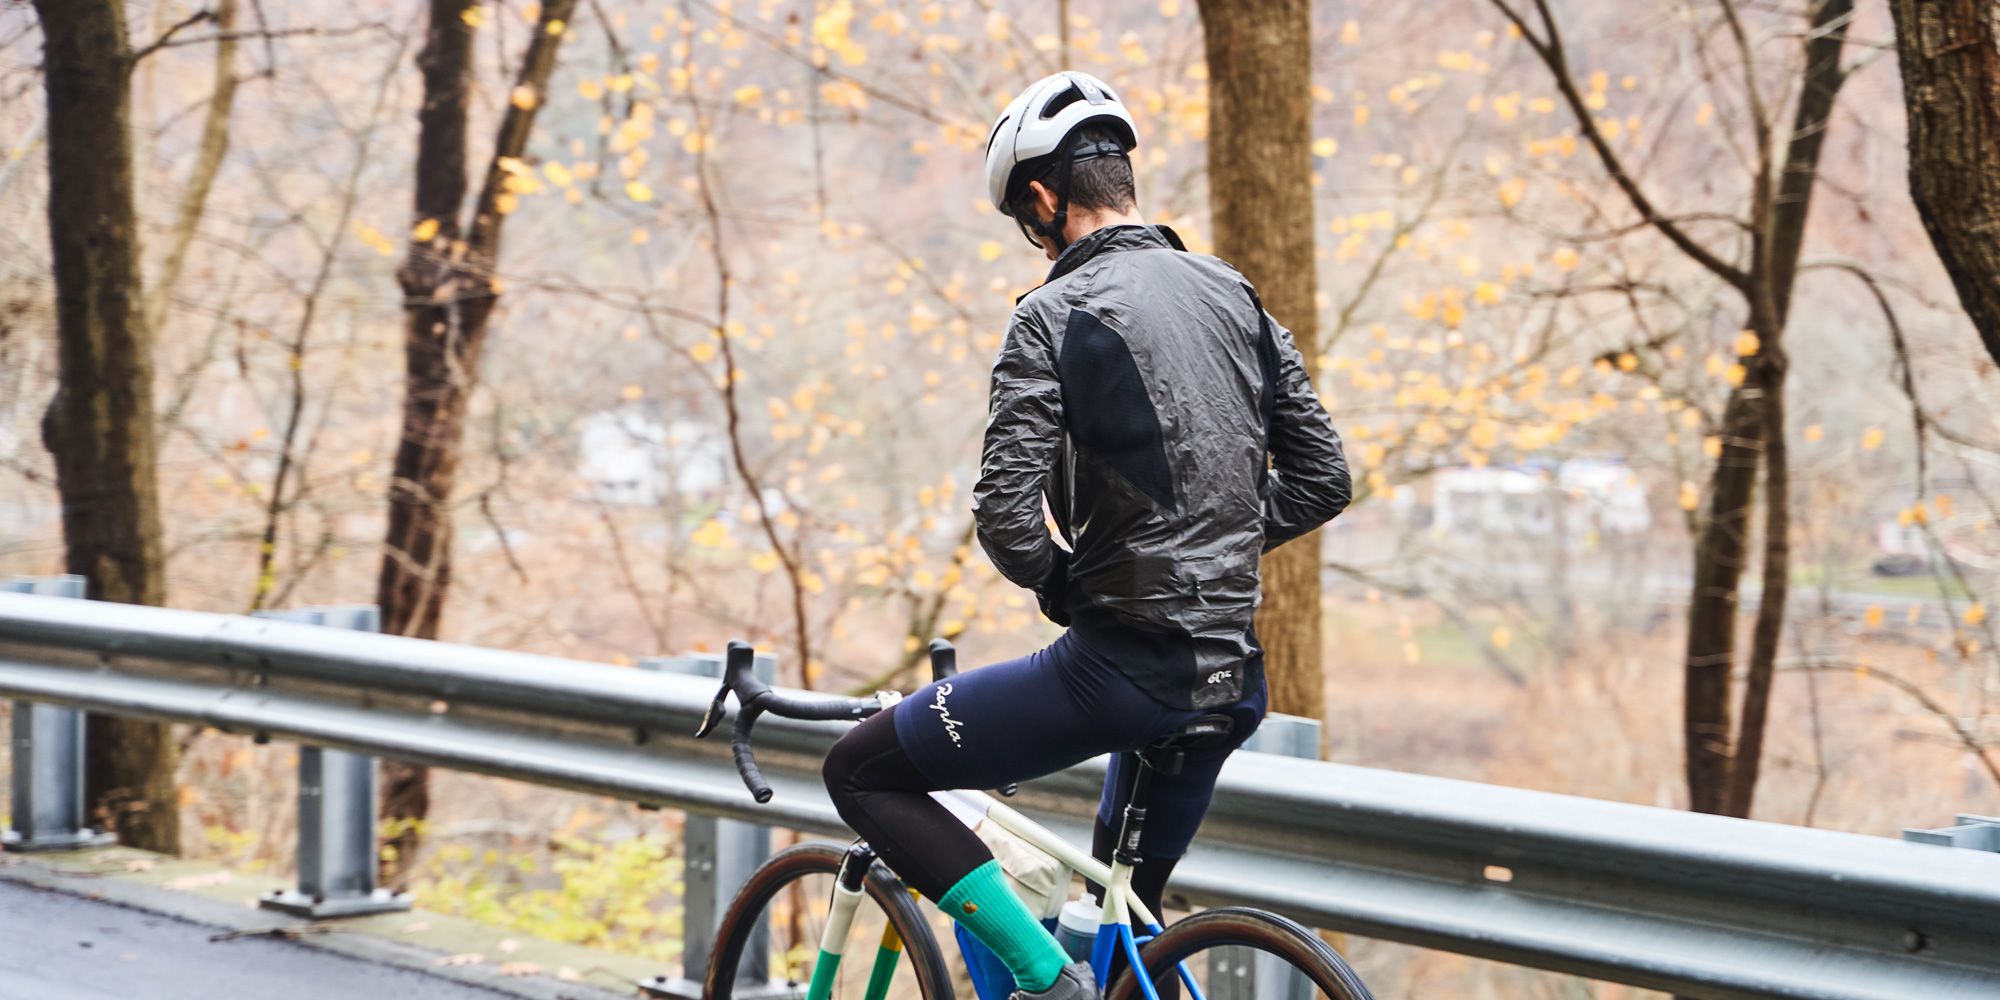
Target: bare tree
[449,291]
[99,427]
[1950,53]
[288,481]
[1723,755]
[1260,190]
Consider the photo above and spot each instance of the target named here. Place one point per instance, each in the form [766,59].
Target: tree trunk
[99,426]
[1718,571]
[1260,192]
[1791,206]
[1950,53]
[449,291]
[1748,752]
[1723,760]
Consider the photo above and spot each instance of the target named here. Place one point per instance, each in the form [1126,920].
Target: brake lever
[715,714]
[736,673]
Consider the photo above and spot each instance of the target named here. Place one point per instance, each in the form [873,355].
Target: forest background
[614,329]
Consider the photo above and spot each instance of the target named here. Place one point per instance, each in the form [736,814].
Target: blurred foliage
[623,896]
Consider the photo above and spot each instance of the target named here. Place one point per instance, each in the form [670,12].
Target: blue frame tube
[1113,937]
[1102,948]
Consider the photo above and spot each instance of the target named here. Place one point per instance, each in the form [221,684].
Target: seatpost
[1133,827]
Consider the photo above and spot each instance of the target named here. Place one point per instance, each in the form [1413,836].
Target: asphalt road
[57,947]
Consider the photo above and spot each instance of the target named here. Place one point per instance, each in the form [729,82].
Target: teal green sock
[990,910]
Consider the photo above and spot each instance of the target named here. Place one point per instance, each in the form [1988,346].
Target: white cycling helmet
[1039,121]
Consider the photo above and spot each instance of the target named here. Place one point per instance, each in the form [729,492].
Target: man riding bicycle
[1170,423]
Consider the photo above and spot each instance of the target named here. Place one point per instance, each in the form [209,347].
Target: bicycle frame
[1114,932]
[847,894]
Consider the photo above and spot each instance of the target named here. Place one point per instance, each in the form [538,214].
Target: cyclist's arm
[1024,428]
[1308,482]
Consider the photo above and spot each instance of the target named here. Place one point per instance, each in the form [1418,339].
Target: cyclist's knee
[865,759]
[839,768]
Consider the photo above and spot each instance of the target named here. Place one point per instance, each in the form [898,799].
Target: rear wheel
[1195,940]
[888,954]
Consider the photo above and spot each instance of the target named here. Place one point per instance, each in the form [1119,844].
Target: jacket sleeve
[1308,482]
[1024,431]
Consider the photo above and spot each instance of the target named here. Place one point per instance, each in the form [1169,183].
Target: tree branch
[1966,737]
[208,163]
[167,37]
[531,87]
[1551,53]
[787,557]
[167,41]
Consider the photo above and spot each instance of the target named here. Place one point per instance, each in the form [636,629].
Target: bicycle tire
[887,891]
[1245,927]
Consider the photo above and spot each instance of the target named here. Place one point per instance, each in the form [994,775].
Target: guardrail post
[49,810]
[1974,833]
[1246,973]
[719,855]
[337,850]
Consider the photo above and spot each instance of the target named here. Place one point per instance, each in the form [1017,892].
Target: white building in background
[1581,497]
[630,456]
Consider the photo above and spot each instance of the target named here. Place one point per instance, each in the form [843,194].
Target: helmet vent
[1069,96]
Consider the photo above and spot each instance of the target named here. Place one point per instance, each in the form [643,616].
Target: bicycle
[855,874]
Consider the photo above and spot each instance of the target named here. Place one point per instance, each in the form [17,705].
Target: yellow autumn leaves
[831,33]
[475,17]
[713,534]
[864,558]
[1972,617]
[1690,496]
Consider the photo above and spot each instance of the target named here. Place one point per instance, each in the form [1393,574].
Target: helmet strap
[1055,230]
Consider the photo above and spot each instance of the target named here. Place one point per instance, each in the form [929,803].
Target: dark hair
[1101,183]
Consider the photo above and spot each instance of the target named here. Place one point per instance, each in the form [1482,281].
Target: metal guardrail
[337,855]
[47,793]
[1701,905]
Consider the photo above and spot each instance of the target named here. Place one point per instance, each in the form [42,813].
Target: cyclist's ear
[1041,201]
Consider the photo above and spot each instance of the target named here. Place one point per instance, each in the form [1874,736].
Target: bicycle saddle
[1165,754]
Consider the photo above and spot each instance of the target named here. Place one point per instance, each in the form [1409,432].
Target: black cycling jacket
[1171,425]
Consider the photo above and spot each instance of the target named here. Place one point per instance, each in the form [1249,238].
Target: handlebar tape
[746,761]
[754,707]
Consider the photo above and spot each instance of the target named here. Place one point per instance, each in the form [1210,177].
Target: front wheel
[888,951]
[1238,927]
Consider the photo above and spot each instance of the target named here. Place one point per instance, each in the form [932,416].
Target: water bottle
[1076,927]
